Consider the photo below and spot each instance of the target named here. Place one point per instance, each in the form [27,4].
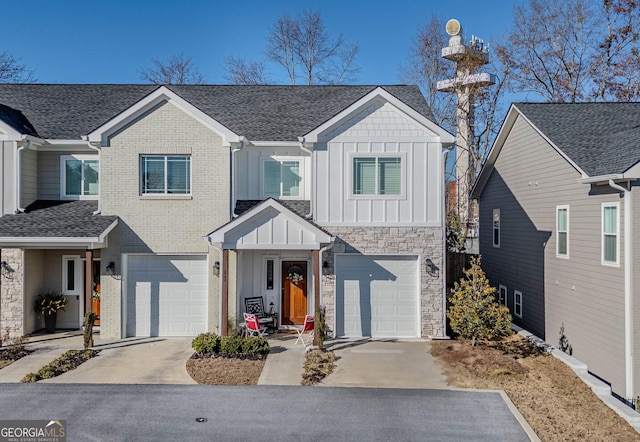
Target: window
[377,176]
[502,295]
[610,233]
[517,303]
[71,275]
[269,278]
[165,174]
[79,176]
[281,178]
[496,227]
[562,231]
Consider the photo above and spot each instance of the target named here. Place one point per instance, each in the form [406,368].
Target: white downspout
[96,148]
[18,180]
[628,314]
[233,177]
[313,176]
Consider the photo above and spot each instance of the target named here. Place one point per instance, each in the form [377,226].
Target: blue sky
[107,41]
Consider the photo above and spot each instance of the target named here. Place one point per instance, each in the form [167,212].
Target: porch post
[316,286]
[225,293]
[88,281]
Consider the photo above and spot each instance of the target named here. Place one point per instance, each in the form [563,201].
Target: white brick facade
[170,224]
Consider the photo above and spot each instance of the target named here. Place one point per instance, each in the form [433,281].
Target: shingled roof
[56,219]
[260,113]
[601,138]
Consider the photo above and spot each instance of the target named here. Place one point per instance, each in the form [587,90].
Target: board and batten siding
[249,170]
[379,129]
[577,296]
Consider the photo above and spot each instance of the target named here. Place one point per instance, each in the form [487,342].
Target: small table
[272,327]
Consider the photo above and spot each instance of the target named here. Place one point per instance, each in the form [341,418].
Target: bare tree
[303,43]
[281,45]
[240,71]
[13,71]
[179,69]
[619,73]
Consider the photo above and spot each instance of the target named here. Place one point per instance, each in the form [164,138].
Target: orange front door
[294,292]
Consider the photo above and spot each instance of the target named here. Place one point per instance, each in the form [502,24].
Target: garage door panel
[376,296]
[167,295]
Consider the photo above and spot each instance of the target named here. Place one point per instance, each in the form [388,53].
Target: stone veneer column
[11,304]
[423,241]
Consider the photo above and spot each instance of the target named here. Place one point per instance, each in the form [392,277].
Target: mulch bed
[219,370]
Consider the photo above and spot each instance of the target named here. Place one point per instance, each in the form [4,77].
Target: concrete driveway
[388,363]
[126,361]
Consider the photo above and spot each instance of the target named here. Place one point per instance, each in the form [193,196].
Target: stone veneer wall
[11,305]
[423,241]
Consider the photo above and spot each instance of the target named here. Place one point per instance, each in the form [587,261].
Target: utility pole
[468,58]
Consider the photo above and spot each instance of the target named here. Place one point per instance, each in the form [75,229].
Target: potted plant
[47,305]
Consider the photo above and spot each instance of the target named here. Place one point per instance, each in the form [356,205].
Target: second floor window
[562,230]
[610,233]
[165,174]
[377,176]
[79,176]
[281,178]
[496,227]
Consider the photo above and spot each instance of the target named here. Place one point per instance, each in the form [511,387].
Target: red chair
[308,326]
[252,325]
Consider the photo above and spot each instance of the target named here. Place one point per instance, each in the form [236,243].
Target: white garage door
[166,295]
[377,296]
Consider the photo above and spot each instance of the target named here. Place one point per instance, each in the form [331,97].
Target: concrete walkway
[284,362]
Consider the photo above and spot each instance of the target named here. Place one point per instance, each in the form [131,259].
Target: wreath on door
[295,274]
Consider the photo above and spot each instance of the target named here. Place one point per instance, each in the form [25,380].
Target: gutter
[18,179]
[96,148]
[313,175]
[233,177]
[628,314]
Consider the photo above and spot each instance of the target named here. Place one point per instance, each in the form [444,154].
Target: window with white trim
[79,176]
[610,233]
[502,295]
[562,231]
[165,174]
[377,175]
[517,303]
[281,178]
[71,275]
[496,227]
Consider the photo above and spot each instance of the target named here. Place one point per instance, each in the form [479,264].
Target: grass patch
[67,362]
[318,364]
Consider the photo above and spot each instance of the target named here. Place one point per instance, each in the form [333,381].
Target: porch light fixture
[6,269]
[216,268]
[325,265]
[111,268]
[432,269]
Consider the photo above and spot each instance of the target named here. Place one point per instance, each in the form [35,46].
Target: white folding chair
[308,326]
[253,326]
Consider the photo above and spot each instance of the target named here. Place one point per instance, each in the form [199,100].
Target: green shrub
[31,377]
[473,313]
[206,343]
[231,345]
[255,346]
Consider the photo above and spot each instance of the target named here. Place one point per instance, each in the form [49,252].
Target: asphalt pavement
[263,413]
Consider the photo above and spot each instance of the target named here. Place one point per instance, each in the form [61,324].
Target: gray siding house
[176,203]
[559,230]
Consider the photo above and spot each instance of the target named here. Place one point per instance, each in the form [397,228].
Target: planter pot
[50,322]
